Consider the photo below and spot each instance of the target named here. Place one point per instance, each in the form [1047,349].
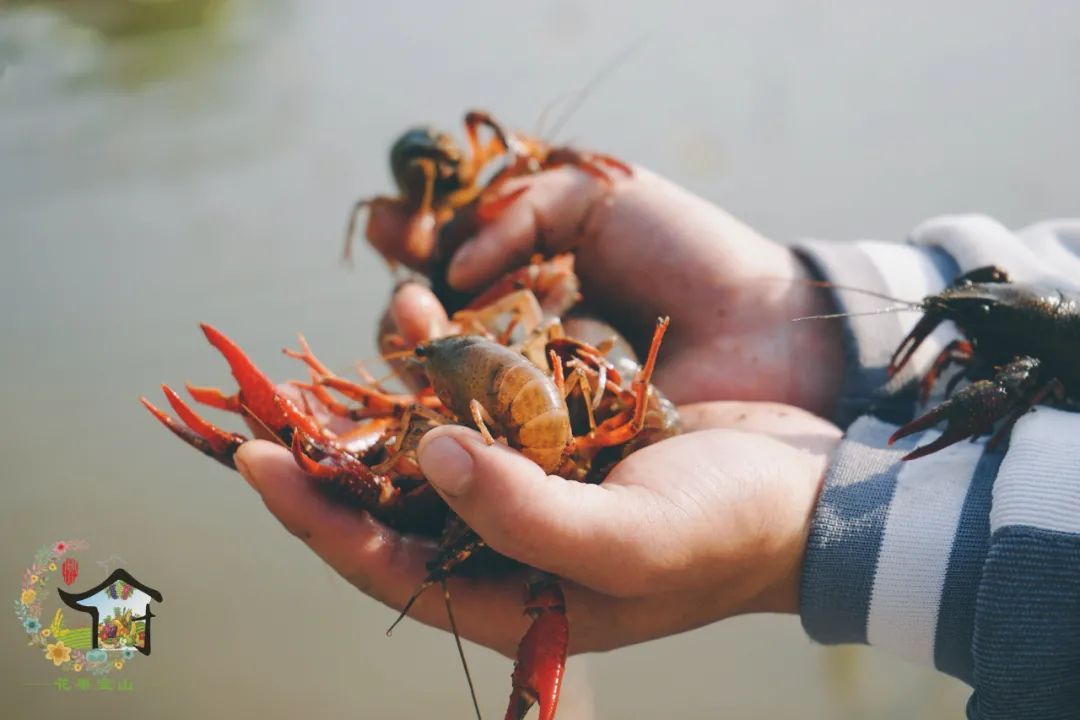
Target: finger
[549,218]
[389,566]
[380,562]
[413,316]
[353,543]
[416,314]
[567,528]
[786,423]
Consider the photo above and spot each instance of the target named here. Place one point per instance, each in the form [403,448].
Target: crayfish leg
[374,401]
[350,228]
[541,655]
[348,477]
[307,356]
[478,412]
[593,164]
[620,428]
[957,352]
[415,423]
[520,308]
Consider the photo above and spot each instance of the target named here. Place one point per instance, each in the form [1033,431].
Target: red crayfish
[569,415]
[504,365]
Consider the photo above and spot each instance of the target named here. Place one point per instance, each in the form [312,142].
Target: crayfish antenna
[270,433]
[409,603]
[829,285]
[460,649]
[835,316]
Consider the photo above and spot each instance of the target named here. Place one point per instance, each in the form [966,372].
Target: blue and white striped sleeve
[967,560]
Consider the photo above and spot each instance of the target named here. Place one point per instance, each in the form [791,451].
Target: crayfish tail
[541,655]
[541,661]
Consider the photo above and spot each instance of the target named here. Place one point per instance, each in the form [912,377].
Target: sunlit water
[169,162]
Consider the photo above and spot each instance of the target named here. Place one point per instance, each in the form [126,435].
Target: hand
[645,247]
[683,533]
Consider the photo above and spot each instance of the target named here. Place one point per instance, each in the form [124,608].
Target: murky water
[163,163]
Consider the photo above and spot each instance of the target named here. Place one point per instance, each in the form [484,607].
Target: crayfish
[442,199]
[503,364]
[559,401]
[1020,348]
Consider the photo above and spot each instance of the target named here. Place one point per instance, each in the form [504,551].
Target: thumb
[567,528]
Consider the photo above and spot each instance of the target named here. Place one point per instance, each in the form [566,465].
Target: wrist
[779,587]
[818,344]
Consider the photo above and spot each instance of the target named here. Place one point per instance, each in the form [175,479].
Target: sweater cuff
[1027,629]
[902,271]
[896,549]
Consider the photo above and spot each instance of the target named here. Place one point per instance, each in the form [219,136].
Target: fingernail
[461,261]
[243,468]
[446,465]
[465,252]
[404,283]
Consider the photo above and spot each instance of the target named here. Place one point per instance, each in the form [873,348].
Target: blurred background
[166,162]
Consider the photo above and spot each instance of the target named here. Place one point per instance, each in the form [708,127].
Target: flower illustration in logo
[119,664]
[52,567]
[77,667]
[46,633]
[60,548]
[97,655]
[127,653]
[31,625]
[28,596]
[58,653]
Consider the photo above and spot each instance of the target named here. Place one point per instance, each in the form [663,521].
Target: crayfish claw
[214,397]
[960,424]
[308,464]
[947,438]
[257,392]
[923,422]
[343,475]
[974,410]
[200,434]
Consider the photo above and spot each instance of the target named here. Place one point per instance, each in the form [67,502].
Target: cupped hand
[696,528]
[645,247]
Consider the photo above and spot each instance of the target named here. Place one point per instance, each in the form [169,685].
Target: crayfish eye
[422,351]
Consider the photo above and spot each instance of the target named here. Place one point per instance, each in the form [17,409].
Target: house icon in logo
[120,608]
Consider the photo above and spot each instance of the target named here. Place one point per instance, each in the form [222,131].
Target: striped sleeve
[967,560]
